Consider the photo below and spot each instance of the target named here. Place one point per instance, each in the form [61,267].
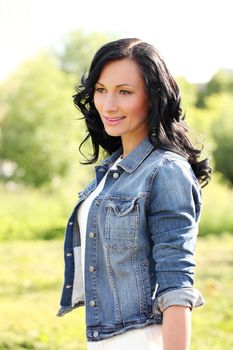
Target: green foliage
[213,323]
[31,214]
[27,214]
[30,296]
[222,131]
[188,92]
[76,50]
[217,207]
[37,114]
[40,135]
[222,81]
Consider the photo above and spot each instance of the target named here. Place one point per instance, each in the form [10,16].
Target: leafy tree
[222,81]
[198,120]
[76,49]
[37,112]
[188,92]
[223,135]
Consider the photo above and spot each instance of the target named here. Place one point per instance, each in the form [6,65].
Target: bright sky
[194,36]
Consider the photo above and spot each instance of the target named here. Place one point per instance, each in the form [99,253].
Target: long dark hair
[166,125]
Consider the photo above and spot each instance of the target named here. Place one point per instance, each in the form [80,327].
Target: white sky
[194,36]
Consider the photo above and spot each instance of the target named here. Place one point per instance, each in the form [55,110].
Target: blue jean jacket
[140,241]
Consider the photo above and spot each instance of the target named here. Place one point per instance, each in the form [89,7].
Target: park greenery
[30,294]
[40,176]
[40,132]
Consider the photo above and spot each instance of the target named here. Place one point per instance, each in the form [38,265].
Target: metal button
[95,334]
[91,268]
[68,286]
[115,175]
[92,303]
[91,234]
[70,223]
[69,254]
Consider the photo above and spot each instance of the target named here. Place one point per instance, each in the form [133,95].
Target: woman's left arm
[173,217]
[180,316]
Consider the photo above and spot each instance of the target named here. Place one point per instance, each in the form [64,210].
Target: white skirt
[148,338]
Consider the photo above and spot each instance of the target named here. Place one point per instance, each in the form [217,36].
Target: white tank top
[149,337]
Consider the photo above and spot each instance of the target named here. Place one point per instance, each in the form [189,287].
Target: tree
[222,81]
[188,92]
[37,111]
[223,135]
[76,49]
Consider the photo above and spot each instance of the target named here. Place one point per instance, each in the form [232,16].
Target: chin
[112,133]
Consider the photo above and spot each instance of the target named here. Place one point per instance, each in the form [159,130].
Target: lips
[114,118]
[113,121]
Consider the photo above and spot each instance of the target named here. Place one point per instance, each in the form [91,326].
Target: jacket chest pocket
[121,225]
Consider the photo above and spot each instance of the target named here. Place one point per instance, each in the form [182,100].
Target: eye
[125,92]
[99,89]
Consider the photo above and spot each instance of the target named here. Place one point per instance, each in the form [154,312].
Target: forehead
[121,71]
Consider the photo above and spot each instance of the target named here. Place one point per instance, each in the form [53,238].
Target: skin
[120,91]
[176,329]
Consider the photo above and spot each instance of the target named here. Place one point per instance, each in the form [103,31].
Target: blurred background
[45,47]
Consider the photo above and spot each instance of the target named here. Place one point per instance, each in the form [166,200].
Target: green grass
[213,323]
[217,207]
[31,276]
[30,283]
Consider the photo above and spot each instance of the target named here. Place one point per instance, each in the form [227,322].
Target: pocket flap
[122,207]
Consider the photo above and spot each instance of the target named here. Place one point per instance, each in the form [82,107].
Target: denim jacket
[140,242]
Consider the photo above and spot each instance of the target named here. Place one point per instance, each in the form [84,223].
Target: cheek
[140,107]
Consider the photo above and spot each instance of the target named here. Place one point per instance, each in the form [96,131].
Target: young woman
[131,237]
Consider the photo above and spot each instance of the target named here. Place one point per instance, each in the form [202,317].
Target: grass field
[31,275]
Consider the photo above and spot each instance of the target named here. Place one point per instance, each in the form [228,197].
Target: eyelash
[125,92]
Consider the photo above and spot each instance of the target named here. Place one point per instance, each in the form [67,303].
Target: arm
[178,337]
[174,211]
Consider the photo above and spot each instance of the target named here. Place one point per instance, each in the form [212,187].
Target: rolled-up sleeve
[173,216]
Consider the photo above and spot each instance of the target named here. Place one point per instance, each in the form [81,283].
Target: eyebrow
[124,84]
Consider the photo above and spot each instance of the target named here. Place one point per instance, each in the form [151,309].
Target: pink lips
[113,121]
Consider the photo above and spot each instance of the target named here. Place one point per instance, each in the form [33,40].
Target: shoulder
[163,157]
[173,184]
[169,166]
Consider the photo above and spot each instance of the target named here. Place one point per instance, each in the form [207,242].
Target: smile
[114,121]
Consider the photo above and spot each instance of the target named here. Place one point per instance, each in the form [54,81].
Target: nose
[110,104]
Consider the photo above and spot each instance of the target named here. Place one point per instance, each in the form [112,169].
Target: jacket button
[95,334]
[92,303]
[115,175]
[91,235]
[91,268]
[68,286]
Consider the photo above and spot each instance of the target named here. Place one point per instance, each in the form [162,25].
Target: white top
[83,211]
[149,337]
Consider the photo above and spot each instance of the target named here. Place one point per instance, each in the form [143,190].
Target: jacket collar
[133,159]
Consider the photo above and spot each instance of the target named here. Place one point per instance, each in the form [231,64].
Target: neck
[129,143]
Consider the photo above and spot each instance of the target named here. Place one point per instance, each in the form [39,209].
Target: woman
[130,240]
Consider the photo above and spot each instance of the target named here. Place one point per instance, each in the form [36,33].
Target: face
[121,100]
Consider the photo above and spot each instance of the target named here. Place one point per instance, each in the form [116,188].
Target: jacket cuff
[186,296]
